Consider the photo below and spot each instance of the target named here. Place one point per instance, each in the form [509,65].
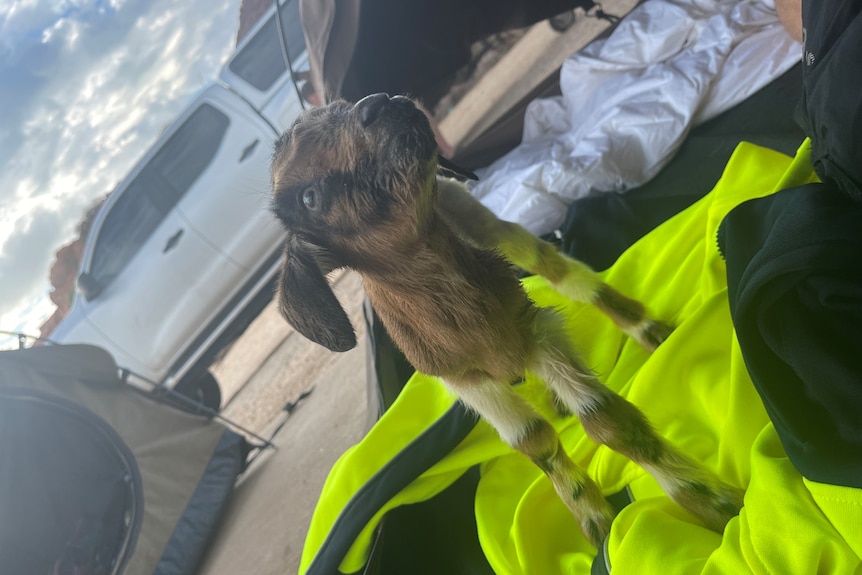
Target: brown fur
[356,186]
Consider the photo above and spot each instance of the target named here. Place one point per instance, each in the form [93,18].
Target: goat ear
[306,301]
[450,169]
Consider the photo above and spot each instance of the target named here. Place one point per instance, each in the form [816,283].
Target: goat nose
[369,107]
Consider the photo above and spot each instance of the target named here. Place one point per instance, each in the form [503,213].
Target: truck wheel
[204,389]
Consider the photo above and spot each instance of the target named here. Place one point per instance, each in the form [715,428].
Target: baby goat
[357,186]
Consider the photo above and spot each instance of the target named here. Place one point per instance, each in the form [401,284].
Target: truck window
[156,190]
[131,221]
[187,154]
[260,62]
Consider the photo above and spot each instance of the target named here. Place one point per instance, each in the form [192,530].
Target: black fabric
[97,538]
[388,369]
[794,265]
[68,485]
[831,107]
[794,274]
[447,542]
[188,541]
[600,565]
[426,450]
[416,47]
[600,227]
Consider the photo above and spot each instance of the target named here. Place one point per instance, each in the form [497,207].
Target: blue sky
[85,87]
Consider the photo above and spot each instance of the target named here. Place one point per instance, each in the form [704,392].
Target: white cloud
[93,83]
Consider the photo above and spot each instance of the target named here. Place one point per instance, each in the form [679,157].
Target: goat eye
[309,199]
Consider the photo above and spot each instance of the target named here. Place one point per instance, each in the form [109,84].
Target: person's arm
[790,15]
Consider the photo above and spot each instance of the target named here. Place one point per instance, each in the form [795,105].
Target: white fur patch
[499,405]
[580,282]
[579,390]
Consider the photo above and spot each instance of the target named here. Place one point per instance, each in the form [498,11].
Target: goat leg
[611,420]
[477,225]
[519,425]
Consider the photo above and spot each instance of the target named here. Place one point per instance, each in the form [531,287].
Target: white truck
[184,252]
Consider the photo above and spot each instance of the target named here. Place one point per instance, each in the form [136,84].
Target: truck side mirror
[89,286]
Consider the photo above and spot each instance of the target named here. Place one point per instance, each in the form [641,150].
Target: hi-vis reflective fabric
[696,391]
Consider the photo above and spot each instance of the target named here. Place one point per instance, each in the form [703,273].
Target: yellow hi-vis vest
[694,389]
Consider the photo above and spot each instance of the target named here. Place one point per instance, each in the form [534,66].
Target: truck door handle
[173,241]
[247,151]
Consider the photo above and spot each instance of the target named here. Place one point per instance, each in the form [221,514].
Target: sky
[85,87]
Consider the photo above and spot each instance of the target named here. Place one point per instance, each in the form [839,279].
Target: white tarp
[628,102]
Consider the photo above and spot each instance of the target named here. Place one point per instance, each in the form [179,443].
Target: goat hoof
[596,529]
[715,505]
[651,334]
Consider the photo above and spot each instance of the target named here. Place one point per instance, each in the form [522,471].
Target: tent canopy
[98,476]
